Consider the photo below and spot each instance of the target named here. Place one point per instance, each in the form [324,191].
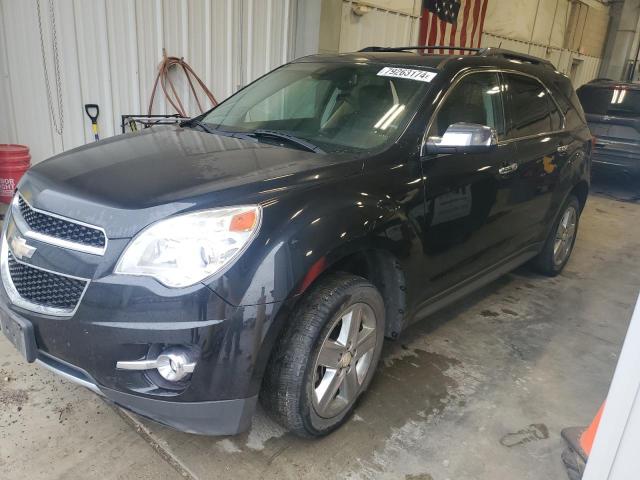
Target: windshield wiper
[194,122]
[197,123]
[287,137]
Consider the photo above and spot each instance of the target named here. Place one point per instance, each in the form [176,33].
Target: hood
[160,171]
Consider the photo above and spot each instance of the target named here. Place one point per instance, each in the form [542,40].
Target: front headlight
[183,250]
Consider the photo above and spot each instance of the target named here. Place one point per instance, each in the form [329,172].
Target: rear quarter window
[569,103]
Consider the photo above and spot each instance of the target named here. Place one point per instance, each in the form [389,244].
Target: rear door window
[532,110]
[477,98]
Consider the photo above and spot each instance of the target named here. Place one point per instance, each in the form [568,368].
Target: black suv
[613,115]
[265,248]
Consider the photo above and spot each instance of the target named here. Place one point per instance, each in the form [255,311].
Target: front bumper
[198,408]
[123,318]
[222,417]
[128,318]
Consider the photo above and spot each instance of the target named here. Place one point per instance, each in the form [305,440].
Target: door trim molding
[480,279]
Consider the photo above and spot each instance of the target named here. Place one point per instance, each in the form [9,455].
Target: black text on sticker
[408,73]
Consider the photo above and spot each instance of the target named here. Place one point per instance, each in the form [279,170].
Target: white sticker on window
[408,73]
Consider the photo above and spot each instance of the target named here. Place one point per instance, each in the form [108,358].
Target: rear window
[613,101]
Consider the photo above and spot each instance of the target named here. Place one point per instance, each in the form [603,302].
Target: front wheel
[559,245]
[326,357]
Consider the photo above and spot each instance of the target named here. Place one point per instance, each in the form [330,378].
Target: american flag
[456,23]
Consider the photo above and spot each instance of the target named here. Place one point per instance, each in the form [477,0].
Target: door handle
[508,169]
[563,149]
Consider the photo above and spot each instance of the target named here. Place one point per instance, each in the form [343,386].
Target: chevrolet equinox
[264,249]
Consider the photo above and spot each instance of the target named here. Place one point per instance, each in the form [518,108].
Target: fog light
[175,363]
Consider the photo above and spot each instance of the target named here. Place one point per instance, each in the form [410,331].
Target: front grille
[45,288]
[59,228]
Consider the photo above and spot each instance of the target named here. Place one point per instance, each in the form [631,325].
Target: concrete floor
[479,391]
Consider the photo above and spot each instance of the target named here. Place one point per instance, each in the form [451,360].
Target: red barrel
[14,161]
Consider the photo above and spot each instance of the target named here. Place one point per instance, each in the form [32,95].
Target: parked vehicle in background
[613,114]
[267,247]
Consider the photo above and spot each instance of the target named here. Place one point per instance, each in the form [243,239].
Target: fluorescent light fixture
[392,117]
[614,99]
[621,96]
[386,115]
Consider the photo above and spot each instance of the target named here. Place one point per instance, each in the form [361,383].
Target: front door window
[476,99]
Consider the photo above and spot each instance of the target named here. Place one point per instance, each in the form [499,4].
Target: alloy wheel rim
[344,360]
[564,236]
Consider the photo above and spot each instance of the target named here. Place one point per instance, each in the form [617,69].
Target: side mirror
[464,138]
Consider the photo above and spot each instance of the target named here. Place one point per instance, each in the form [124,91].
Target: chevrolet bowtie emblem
[20,249]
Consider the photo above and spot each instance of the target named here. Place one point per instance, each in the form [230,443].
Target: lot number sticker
[408,73]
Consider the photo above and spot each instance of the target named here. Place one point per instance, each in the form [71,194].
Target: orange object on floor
[580,442]
[588,436]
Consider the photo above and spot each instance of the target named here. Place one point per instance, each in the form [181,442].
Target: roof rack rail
[419,47]
[485,52]
[602,79]
[512,55]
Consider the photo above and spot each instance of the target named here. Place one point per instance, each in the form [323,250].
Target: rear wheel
[327,356]
[559,245]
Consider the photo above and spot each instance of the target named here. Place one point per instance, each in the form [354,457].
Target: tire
[551,261]
[319,354]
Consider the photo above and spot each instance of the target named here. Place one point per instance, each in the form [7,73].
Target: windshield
[335,106]
[614,101]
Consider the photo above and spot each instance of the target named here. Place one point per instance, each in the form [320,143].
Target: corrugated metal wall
[109,53]
[110,50]
[586,67]
[381,26]
[526,26]
[548,29]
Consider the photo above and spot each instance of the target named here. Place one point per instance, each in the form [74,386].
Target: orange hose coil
[169,88]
